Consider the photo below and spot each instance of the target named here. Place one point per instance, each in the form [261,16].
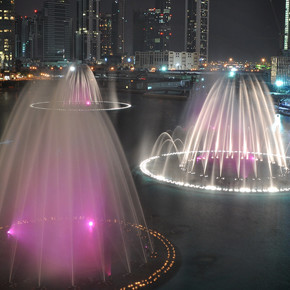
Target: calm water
[226,241]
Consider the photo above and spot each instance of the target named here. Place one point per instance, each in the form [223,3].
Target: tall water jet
[234,144]
[67,199]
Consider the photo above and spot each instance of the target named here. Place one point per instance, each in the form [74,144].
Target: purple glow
[88,103]
[91,224]
[10,232]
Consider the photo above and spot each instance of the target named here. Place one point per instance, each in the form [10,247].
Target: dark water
[226,241]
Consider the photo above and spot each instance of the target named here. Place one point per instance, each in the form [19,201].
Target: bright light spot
[88,103]
[149,88]
[163,68]
[279,83]
[129,59]
[231,74]
[10,232]
[91,224]
[72,68]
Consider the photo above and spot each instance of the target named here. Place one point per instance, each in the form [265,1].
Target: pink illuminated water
[66,172]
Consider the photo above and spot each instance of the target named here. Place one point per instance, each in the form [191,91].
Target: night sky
[242,29]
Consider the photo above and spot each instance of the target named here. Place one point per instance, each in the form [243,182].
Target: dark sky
[242,29]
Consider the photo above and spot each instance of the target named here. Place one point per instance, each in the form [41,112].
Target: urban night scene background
[144,144]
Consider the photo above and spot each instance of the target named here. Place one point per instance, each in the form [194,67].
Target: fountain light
[244,152]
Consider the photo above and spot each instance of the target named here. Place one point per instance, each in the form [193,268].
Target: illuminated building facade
[280,67]
[118,27]
[197,27]
[7,33]
[286,29]
[106,35]
[157,27]
[169,60]
[280,70]
[87,43]
[23,40]
[57,36]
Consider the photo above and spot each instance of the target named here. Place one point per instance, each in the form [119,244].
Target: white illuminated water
[234,144]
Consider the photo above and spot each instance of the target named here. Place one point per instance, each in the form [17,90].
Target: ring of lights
[147,170]
[163,270]
[93,106]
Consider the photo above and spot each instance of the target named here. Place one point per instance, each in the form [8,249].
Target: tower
[286,28]
[157,28]
[118,27]
[197,27]
[7,33]
[87,41]
[106,35]
[57,42]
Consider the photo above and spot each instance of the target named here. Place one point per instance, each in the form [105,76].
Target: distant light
[106,59]
[232,73]
[149,88]
[35,11]
[177,65]
[164,68]
[88,103]
[202,79]
[72,68]
[129,59]
[279,83]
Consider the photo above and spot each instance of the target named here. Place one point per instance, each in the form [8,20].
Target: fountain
[233,145]
[69,210]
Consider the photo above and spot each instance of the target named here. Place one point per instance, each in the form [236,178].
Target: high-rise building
[157,28]
[87,40]
[23,41]
[118,27]
[36,34]
[57,41]
[7,33]
[197,27]
[106,35]
[287,26]
[138,31]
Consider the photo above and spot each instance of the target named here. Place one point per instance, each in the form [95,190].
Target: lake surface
[225,241]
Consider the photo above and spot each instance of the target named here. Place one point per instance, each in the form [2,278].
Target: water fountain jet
[234,144]
[68,200]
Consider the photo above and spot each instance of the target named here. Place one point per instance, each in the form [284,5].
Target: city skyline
[246,30]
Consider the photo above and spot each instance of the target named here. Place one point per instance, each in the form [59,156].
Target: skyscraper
[118,26]
[37,35]
[23,39]
[106,35]
[138,30]
[7,33]
[287,24]
[87,41]
[157,27]
[57,42]
[197,27]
